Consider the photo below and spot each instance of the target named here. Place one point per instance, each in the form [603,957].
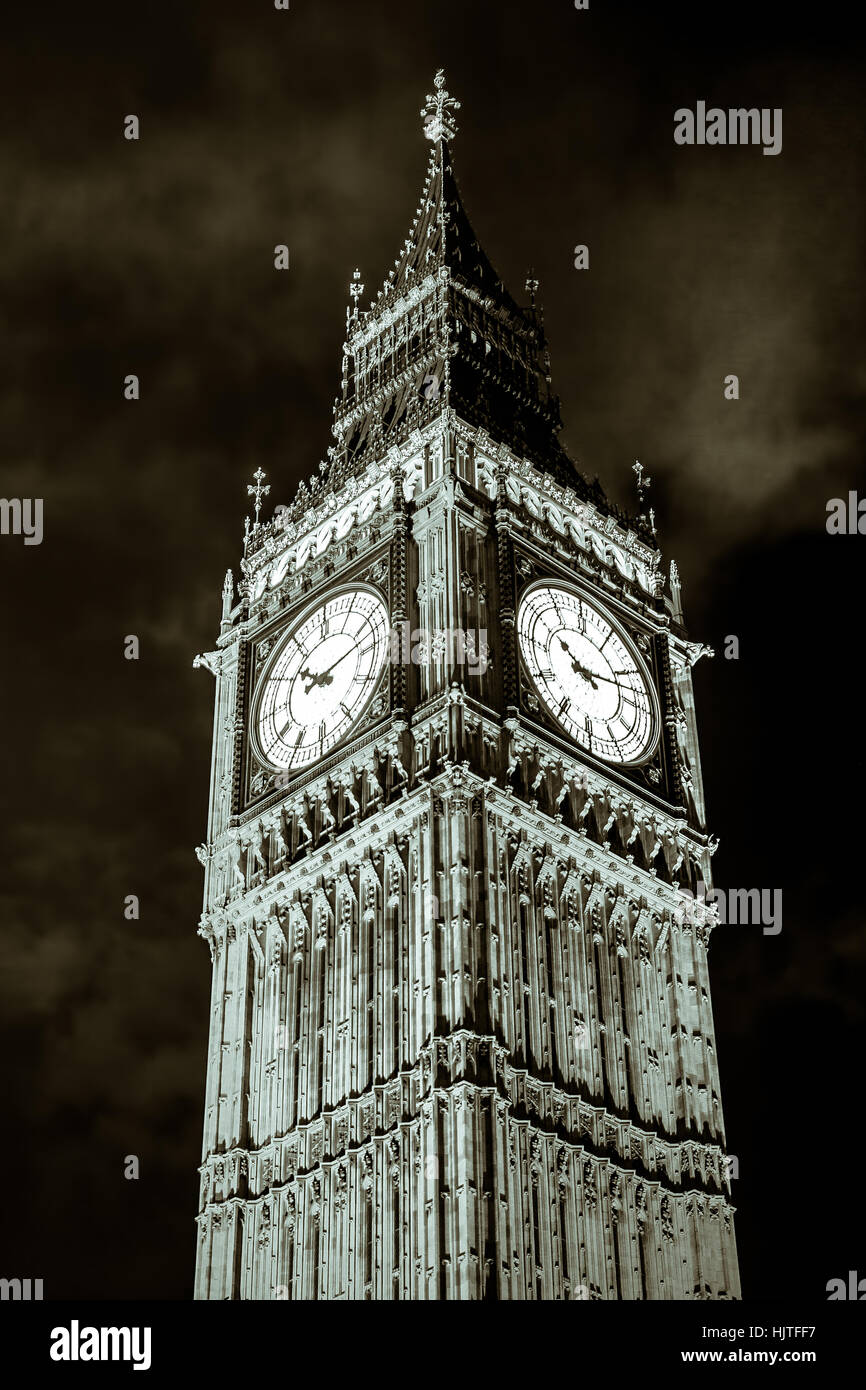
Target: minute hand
[596,675]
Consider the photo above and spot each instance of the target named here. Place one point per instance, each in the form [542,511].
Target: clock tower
[461,1041]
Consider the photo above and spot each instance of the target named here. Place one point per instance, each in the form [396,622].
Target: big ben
[461,1040]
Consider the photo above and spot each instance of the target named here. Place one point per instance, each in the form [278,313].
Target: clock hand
[588,675]
[324,677]
[576,666]
[610,679]
[309,675]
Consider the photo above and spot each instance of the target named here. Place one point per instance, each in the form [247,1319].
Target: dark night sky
[261,127]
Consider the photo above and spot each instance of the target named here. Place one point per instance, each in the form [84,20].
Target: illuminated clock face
[321,679]
[587,674]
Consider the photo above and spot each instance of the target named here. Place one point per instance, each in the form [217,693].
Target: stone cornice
[524,482]
[679,1166]
[570,847]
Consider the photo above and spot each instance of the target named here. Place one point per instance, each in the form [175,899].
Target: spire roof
[444,333]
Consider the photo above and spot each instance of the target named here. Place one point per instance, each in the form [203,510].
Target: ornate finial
[643,482]
[356,288]
[531,286]
[258,492]
[676,592]
[228,595]
[438,113]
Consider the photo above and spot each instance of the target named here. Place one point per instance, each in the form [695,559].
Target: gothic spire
[444,334]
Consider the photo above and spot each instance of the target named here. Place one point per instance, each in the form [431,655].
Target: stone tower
[461,1040]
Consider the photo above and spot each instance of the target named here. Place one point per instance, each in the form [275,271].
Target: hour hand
[324,678]
[576,666]
[611,680]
